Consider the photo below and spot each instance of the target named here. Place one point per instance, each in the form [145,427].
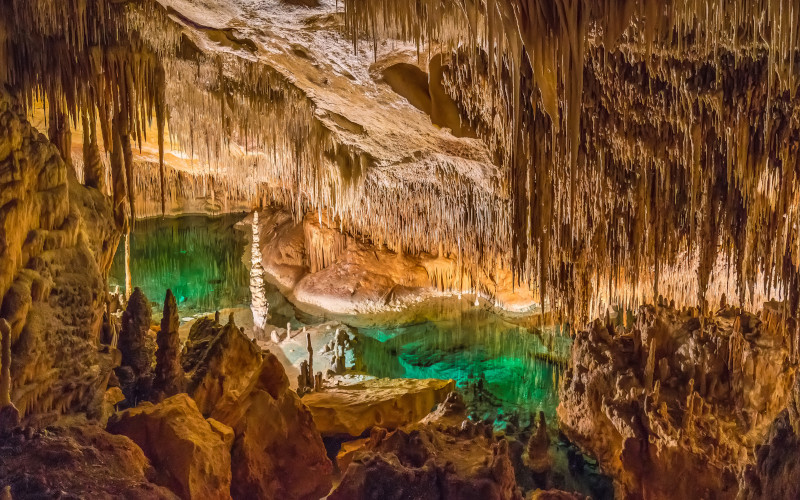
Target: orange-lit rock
[278,452]
[190,454]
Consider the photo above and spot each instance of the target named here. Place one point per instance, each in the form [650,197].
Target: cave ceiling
[608,151]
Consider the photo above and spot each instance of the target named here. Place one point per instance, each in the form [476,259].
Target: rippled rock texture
[57,240]
[677,395]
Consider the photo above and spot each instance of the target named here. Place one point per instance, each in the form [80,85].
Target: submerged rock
[277,451]
[191,455]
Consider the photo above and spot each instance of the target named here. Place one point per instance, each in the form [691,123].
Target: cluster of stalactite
[650,146]
[77,56]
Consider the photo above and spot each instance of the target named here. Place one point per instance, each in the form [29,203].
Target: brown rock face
[136,372]
[776,470]
[190,454]
[278,452]
[76,461]
[56,243]
[677,396]
[219,360]
[427,463]
[169,379]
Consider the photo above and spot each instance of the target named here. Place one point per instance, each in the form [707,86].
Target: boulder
[388,403]
[190,454]
[277,452]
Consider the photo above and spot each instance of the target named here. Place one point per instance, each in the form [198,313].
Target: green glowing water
[502,368]
[199,258]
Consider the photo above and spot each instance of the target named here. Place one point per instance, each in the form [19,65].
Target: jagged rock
[776,470]
[190,454]
[74,459]
[278,452]
[218,360]
[426,463]
[721,378]
[136,371]
[538,457]
[169,378]
[388,403]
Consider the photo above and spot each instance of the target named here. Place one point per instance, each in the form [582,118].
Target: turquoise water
[199,258]
[501,368]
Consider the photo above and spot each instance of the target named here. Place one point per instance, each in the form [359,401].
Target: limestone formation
[218,361]
[136,345]
[722,379]
[388,403]
[417,464]
[56,245]
[169,378]
[278,452]
[538,458]
[190,455]
[9,415]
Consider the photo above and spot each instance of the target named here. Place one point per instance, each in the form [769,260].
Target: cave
[429,249]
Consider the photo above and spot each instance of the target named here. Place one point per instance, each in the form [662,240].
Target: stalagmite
[169,378]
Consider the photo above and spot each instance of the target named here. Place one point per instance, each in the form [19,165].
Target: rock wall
[677,395]
[318,265]
[57,240]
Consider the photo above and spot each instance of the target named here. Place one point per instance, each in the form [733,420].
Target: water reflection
[199,258]
[502,368]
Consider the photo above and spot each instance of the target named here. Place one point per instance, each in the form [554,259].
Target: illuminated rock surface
[677,395]
[191,456]
[353,409]
[556,160]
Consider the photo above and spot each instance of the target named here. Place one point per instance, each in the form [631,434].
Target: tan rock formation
[169,378]
[388,403]
[424,462]
[191,455]
[720,380]
[138,350]
[278,452]
[219,360]
[776,469]
[56,243]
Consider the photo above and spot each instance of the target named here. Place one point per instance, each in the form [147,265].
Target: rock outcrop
[169,378]
[776,471]
[428,463]
[277,452]
[57,239]
[677,395]
[76,460]
[388,403]
[219,360]
[191,455]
